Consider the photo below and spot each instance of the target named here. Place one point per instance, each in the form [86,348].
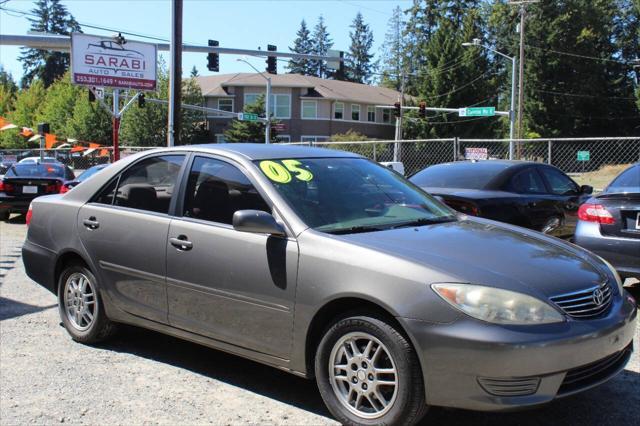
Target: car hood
[485,252]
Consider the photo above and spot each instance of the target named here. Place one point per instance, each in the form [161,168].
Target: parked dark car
[68,186]
[330,266]
[609,224]
[24,182]
[533,195]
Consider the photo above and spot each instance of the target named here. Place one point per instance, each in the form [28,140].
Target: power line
[576,55]
[461,87]
[580,95]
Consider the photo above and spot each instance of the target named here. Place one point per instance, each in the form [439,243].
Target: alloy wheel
[363,375]
[80,301]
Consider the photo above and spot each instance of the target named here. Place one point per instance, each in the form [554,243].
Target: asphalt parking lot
[142,377]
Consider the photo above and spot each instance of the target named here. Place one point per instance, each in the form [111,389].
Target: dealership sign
[101,61]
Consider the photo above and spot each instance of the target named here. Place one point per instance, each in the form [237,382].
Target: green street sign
[583,156]
[477,112]
[247,116]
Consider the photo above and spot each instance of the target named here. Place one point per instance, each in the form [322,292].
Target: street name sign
[247,116]
[101,61]
[583,155]
[477,112]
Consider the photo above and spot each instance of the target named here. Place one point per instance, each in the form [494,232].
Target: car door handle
[91,223]
[181,243]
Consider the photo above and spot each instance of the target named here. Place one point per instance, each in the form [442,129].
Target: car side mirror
[257,222]
[586,189]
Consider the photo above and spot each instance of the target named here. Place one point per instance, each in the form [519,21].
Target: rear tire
[369,374]
[80,306]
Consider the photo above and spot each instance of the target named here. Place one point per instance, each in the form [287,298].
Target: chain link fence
[576,156]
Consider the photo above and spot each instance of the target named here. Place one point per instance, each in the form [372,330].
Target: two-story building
[309,109]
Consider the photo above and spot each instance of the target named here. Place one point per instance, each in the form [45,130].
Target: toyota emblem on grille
[598,297]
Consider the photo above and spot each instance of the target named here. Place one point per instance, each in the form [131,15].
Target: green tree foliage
[391,52]
[322,43]
[578,79]
[302,44]
[8,91]
[25,110]
[421,24]
[52,17]
[194,72]
[359,67]
[89,121]
[250,131]
[59,102]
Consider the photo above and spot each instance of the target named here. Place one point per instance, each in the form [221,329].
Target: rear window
[627,181]
[460,175]
[36,170]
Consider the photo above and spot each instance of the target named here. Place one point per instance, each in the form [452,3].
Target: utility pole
[523,13]
[267,102]
[175,74]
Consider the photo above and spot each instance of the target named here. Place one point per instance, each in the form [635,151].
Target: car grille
[591,374]
[520,386]
[583,304]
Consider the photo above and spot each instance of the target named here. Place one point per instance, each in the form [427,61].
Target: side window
[149,184]
[216,190]
[527,182]
[106,195]
[560,183]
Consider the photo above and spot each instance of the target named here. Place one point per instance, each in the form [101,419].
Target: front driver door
[124,230]
[232,286]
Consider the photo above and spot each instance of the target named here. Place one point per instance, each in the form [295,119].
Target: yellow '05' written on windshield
[281,171]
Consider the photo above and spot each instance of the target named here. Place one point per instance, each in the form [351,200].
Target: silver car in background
[609,223]
[329,266]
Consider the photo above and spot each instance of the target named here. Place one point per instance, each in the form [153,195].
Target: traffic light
[423,110]
[141,100]
[213,59]
[396,109]
[92,96]
[272,61]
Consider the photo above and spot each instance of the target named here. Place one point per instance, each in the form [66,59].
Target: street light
[512,112]
[267,130]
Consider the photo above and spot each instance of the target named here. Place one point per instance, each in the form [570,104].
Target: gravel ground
[142,377]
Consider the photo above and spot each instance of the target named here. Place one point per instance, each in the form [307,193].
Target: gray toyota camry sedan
[327,265]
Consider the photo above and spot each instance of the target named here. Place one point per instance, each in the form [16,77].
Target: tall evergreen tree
[321,44]
[303,44]
[391,52]
[421,24]
[8,91]
[359,67]
[194,72]
[250,131]
[52,17]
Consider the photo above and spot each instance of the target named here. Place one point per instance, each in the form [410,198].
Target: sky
[240,24]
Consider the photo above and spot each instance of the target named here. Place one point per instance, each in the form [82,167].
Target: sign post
[116,63]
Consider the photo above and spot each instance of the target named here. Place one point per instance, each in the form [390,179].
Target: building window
[355,112]
[220,138]
[284,138]
[280,105]
[310,109]
[386,116]
[225,105]
[314,139]
[371,113]
[338,112]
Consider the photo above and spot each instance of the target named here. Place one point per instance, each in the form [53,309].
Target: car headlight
[496,305]
[616,276]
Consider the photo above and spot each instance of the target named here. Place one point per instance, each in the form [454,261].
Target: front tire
[368,374]
[80,306]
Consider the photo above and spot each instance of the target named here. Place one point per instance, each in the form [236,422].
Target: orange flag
[94,145]
[26,132]
[77,148]
[49,140]
[104,153]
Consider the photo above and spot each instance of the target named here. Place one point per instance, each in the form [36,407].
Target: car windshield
[627,182]
[348,195]
[36,170]
[459,175]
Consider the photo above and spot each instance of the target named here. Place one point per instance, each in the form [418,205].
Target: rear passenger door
[124,230]
[534,206]
[567,196]
[237,287]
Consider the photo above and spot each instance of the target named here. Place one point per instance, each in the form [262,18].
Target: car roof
[261,151]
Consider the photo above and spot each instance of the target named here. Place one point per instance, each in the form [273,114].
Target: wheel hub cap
[80,301]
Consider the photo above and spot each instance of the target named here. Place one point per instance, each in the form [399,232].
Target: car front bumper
[475,365]
[622,253]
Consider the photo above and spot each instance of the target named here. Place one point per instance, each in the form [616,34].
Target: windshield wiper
[355,230]
[423,221]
